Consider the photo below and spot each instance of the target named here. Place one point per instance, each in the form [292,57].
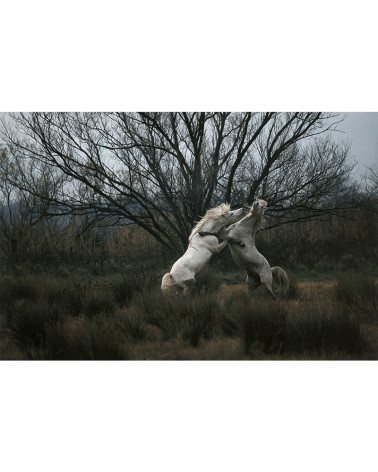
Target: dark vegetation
[51,318]
[92,297]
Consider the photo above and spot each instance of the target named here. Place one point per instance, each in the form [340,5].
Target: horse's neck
[212,225]
[249,223]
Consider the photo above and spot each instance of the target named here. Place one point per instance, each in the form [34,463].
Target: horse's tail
[281,283]
[167,282]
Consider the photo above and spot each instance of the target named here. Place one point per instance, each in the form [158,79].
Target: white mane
[214,213]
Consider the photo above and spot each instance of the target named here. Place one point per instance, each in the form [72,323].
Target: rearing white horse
[200,249]
[241,238]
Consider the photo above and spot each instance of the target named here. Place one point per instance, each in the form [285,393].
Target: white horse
[241,238]
[200,248]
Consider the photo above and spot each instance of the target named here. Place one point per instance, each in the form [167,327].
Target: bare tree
[162,171]
[21,209]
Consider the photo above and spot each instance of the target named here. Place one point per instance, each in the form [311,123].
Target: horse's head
[232,216]
[217,217]
[258,206]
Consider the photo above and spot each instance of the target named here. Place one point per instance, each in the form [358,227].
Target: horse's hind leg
[267,283]
[270,290]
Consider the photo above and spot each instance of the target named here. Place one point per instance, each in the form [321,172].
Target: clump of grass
[263,322]
[194,323]
[127,287]
[229,316]
[89,339]
[74,301]
[294,292]
[319,331]
[226,325]
[98,301]
[124,290]
[206,280]
[29,322]
[133,324]
[20,288]
[33,288]
[358,290]
[184,318]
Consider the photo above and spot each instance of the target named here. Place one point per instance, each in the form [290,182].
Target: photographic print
[188,236]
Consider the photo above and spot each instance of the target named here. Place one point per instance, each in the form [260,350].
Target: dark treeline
[346,241]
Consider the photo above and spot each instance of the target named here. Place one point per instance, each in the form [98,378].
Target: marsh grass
[29,322]
[55,318]
[98,301]
[184,318]
[359,291]
[90,339]
[125,288]
[294,290]
[207,280]
[263,323]
[323,329]
[132,324]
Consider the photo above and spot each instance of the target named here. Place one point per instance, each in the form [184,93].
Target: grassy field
[128,318]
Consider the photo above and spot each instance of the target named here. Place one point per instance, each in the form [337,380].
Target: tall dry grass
[358,290]
[129,318]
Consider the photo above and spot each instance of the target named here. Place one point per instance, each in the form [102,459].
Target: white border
[201,55]
[198,55]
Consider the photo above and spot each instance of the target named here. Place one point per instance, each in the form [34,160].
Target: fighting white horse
[200,248]
[241,238]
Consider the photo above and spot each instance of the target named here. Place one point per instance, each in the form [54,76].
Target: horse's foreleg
[220,247]
[222,237]
[208,233]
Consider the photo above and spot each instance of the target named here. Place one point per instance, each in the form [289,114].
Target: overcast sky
[361,129]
